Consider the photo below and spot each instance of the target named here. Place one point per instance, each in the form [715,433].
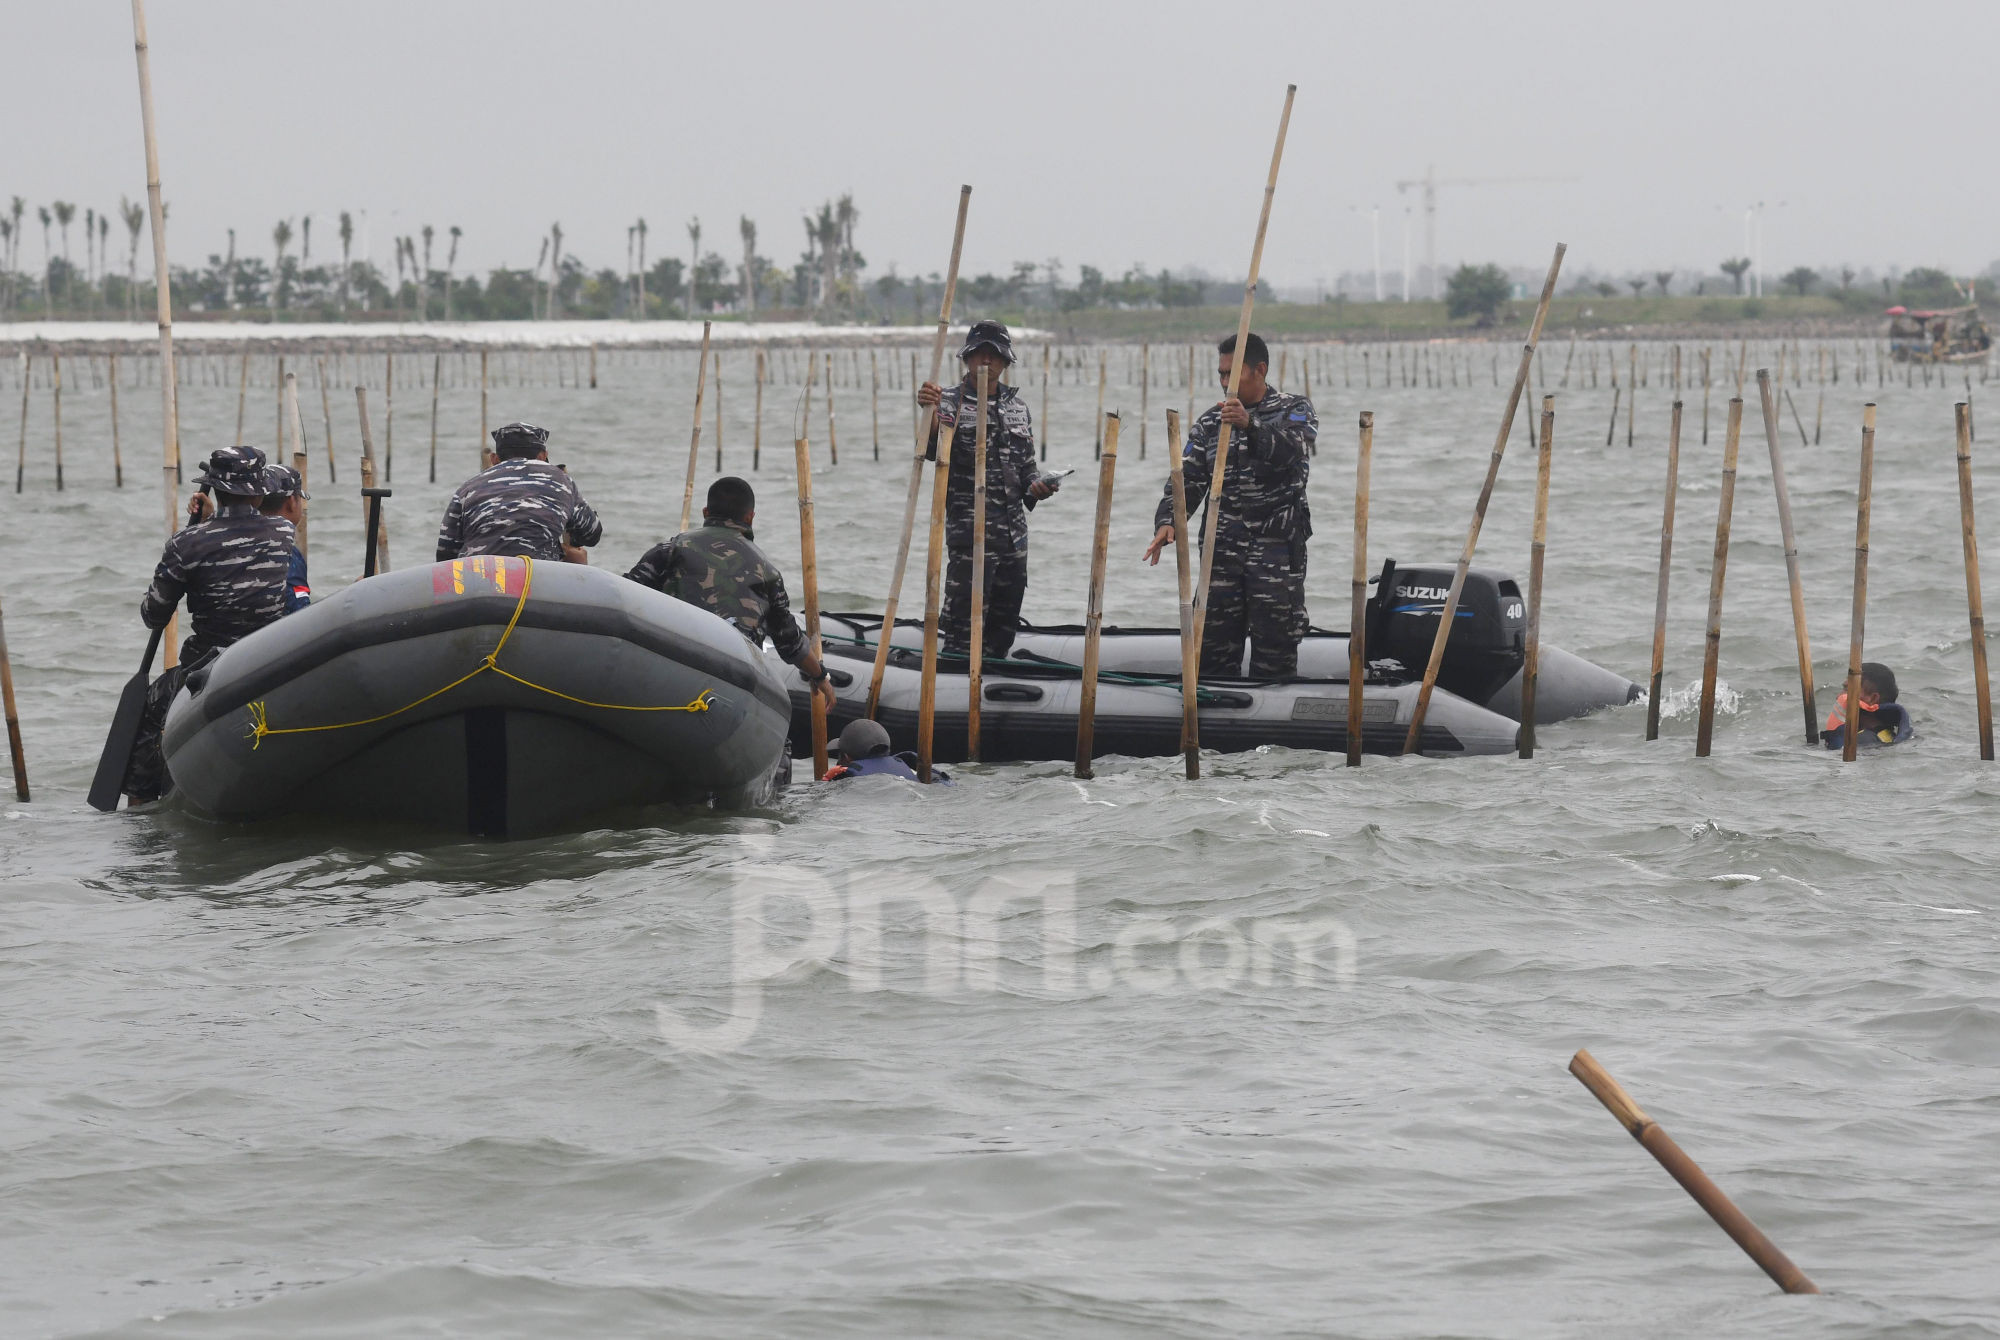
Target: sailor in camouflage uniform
[719,567]
[520,506]
[1257,588]
[1014,484]
[234,569]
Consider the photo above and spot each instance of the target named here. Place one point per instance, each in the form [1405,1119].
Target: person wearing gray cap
[520,506]
[1014,484]
[864,752]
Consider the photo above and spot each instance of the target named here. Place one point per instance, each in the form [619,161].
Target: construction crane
[1429,181]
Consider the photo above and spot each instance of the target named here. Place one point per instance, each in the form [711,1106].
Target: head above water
[730,499]
[864,739]
[1878,683]
[515,441]
[1256,364]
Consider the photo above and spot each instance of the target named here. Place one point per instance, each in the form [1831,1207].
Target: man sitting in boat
[520,506]
[285,496]
[864,752]
[719,567]
[234,568]
[1883,719]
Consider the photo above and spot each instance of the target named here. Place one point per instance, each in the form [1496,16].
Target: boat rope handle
[260,726]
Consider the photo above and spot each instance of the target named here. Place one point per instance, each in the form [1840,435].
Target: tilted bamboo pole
[1450,613]
[1184,574]
[1850,738]
[1093,617]
[694,443]
[1975,607]
[1732,437]
[809,576]
[975,647]
[14,749]
[1770,408]
[1531,668]
[1357,616]
[1666,563]
[923,434]
[170,446]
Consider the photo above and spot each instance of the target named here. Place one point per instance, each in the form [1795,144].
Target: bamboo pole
[1236,362]
[975,647]
[1531,668]
[27,385]
[874,405]
[715,374]
[927,692]
[485,440]
[1975,607]
[55,365]
[1850,738]
[1045,402]
[694,443]
[593,367]
[1098,449]
[1770,408]
[326,411]
[156,211]
[832,438]
[809,576]
[117,450]
[1632,405]
[1707,382]
[757,419]
[14,751]
[437,368]
[1611,428]
[1692,1179]
[1145,393]
[1732,437]
[381,536]
[1093,617]
[298,427]
[1183,571]
[1357,615]
[1666,561]
[388,420]
[278,397]
[923,434]
[1450,613]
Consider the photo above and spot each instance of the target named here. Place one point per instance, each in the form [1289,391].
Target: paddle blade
[109,783]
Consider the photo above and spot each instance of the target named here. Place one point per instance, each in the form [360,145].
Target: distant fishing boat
[1951,335]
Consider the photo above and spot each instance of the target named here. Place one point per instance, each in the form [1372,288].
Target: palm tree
[845,212]
[450,262]
[694,261]
[1638,286]
[631,236]
[829,252]
[135,218]
[230,295]
[641,225]
[555,270]
[1663,278]
[89,249]
[47,219]
[539,260]
[346,252]
[103,243]
[749,231]
[1736,269]
[424,279]
[305,241]
[281,237]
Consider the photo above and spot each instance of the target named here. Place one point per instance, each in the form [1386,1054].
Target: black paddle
[109,783]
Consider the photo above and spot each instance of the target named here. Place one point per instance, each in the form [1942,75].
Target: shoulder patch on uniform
[1300,418]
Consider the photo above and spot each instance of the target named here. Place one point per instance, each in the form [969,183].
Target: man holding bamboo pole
[1258,583]
[1014,484]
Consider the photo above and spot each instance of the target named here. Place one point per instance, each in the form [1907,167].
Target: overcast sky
[1098,133]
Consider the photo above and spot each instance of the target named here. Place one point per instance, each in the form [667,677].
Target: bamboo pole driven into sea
[1654,684]
[16,753]
[1093,616]
[694,443]
[1184,574]
[1531,667]
[380,558]
[1850,736]
[1357,610]
[1732,436]
[117,450]
[164,306]
[975,647]
[1770,408]
[1982,685]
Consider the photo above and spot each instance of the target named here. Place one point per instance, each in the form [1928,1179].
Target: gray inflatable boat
[492,696]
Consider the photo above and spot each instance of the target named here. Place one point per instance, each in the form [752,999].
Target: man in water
[1014,484]
[520,506]
[1258,585]
[234,568]
[1883,719]
[864,752]
[719,567]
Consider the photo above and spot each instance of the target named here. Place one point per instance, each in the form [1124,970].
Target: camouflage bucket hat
[237,470]
[520,434]
[988,335]
[281,481]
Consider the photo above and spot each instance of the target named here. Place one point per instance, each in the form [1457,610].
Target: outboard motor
[1488,646]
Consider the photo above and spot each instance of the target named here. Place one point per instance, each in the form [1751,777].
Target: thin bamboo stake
[1450,614]
[388,420]
[1692,1179]
[593,367]
[14,751]
[874,405]
[326,411]
[1770,407]
[1531,668]
[1357,614]
[1145,393]
[832,438]
[1793,405]
[117,451]
[757,419]
[1975,607]
[1093,617]
[381,537]
[1183,571]
[1632,405]
[1712,650]
[1098,449]
[1666,561]
[975,647]
[809,575]
[715,373]
[694,443]
[278,394]
[1850,738]
[437,368]
[27,385]
[485,441]
[933,592]
[1045,402]
[923,434]
[156,211]
[55,364]
[1611,428]
[1236,362]
[298,427]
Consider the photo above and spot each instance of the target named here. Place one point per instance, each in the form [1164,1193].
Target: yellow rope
[260,726]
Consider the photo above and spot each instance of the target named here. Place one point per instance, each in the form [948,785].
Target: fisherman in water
[719,567]
[1258,584]
[1014,484]
[1883,719]
[520,506]
[864,752]
[235,570]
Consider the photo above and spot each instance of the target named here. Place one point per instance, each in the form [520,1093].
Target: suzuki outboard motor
[1488,646]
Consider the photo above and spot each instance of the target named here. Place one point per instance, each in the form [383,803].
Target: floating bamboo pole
[694,443]
[156,210]
[922,434]
[1732,436]
[1093,616]
[809,576]
[1975,607]
[1531,668]
[1666,561]
[1692,1179]
[1858,622]
[14,750]
[975,647]
[1450,614]
[1183,571]
[117,451]
[1357,613]
[1770,408]
[368,516]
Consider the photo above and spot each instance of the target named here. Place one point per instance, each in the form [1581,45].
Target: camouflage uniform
[1257,588]
[517,508]
[720,568]
[1010,471]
